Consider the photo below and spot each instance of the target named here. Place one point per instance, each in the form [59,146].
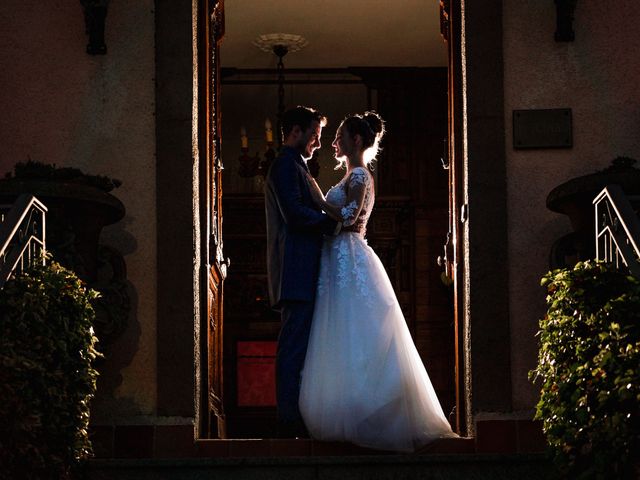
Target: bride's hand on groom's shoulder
[316,193]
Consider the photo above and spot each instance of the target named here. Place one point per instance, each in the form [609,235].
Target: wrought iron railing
[22,235]
[617,229]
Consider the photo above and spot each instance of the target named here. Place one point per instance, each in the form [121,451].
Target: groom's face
[310,140]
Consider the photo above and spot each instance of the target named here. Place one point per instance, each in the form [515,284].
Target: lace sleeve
[358,183]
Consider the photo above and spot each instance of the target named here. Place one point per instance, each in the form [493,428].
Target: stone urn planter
[76,215]
[79,207]
[574,198]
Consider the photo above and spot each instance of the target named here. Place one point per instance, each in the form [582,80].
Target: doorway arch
[476,144]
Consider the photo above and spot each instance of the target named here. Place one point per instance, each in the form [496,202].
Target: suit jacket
[295,226]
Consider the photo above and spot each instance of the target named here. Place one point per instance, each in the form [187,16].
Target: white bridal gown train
[363,380]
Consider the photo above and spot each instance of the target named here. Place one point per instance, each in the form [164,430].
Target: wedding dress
[363,380]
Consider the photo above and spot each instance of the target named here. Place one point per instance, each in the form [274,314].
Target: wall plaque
[549,128]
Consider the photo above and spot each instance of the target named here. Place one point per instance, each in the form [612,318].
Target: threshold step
[357,467]
[313,448]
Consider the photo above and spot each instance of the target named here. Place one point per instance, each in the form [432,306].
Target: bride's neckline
[349,172]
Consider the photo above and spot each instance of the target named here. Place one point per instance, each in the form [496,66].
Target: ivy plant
[589,368]
[47,348]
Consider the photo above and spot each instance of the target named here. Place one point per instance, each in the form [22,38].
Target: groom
[295,226]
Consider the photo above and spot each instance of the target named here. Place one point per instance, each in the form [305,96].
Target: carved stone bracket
[95,13]
[564,20]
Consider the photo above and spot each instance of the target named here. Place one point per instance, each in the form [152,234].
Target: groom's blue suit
[295,226]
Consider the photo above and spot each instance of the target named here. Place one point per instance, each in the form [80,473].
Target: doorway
[409,224]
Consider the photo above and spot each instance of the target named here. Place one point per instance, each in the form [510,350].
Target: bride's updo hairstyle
[370,127]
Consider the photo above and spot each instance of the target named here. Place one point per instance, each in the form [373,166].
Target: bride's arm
[355,197]
[318,197]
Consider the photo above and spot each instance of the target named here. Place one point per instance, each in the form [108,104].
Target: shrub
[44,171]
[47,347]
[589,365]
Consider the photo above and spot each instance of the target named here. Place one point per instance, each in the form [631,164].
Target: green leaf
[47,354]
[589,367]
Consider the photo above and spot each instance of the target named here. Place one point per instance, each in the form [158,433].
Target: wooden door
[452,259]
[210,30]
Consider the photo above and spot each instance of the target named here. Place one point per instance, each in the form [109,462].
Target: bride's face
[343,144]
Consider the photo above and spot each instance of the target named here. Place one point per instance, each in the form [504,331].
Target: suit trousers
[290,355]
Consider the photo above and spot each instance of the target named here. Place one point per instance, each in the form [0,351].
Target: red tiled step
[313,448]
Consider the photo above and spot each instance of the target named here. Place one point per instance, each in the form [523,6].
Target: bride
[363,380]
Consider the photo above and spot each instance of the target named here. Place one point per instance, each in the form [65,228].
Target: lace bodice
[355,195]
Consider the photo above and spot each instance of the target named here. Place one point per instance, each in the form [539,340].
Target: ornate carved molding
[216,7]
[445,8]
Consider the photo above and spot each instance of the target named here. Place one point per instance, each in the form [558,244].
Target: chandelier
[279,44]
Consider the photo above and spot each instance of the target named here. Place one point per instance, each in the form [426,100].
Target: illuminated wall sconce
[252,166]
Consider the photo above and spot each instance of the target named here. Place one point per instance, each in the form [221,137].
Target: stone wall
[63,106]
[596,76]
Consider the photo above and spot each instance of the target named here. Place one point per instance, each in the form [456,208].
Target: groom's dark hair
[301,116]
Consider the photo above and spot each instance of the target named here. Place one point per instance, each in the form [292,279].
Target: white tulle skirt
[363,380]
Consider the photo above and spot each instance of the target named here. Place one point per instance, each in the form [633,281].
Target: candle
[268,130]
[244,140]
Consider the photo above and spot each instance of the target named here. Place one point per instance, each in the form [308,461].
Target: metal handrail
[617,229]
[22,236]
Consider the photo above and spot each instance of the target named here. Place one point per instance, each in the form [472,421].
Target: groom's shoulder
[286,159]
[279,163]
[279,168]
[287,154]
